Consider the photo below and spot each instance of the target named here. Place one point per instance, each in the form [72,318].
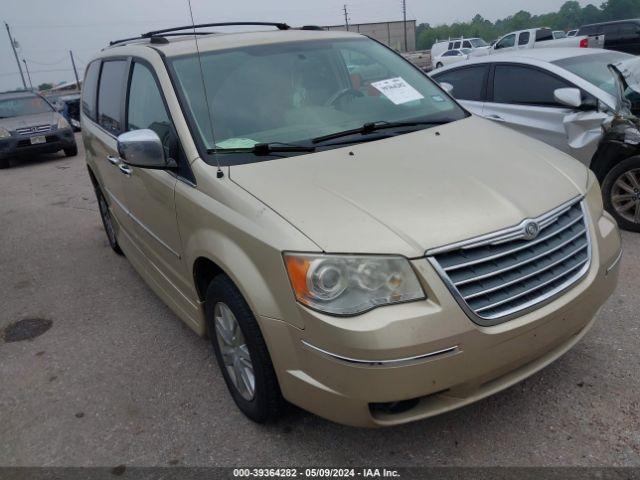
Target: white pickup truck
[543,38]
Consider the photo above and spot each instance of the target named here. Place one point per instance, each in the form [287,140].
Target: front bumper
[407,362]
[18,145]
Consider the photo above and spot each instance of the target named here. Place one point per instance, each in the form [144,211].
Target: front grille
[498,276]
[34,130]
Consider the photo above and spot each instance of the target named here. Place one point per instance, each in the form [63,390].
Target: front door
[151,193]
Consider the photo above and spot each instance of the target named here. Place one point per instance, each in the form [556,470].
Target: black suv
[29,124]
[621,35]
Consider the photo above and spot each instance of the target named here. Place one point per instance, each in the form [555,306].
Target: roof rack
[157,34]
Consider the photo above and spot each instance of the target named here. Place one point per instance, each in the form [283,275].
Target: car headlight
[62,122]
[4,133]
[351,284]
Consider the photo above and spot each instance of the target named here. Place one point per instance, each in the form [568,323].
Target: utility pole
[26,67]
[404,15]
[75,71]
[346,17]
[15,54]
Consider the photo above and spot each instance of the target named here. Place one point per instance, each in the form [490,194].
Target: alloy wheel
[234,351]
[625,195]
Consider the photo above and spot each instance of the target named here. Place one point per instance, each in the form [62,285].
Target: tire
[621,193]
[107,222]
[266,404]
[71,151]
[439,65]
[4,163]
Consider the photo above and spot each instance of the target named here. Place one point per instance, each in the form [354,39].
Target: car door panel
[150,193]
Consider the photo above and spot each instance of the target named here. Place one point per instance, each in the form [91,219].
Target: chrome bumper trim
[385,363]
[615,262]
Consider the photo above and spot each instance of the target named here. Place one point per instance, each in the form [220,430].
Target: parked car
[543,38]
[30,125]
[563,97]
[70,109]
[452,56]
[339,243]
[572,33]
[477,45]
[622,35]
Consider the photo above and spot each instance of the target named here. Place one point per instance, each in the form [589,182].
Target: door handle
[113,160]
[125,169]
[495,118]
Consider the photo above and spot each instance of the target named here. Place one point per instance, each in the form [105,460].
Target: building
[389,33]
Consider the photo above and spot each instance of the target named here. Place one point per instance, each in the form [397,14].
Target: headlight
[349,285]
[4,133]
[62,122]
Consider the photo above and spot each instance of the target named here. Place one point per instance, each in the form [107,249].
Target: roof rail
[166,32]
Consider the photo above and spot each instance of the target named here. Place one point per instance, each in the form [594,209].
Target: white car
[543,38]
[478,45]
[451,56]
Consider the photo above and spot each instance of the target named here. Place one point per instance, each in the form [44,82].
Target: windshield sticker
[236,143]
[437,98]
[397,90]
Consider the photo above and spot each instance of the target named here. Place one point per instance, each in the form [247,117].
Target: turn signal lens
[349,284]
[62,122]
[4,133]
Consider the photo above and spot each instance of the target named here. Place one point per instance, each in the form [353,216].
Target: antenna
[219,173]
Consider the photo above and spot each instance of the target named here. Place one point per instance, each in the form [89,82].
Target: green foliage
[571,15]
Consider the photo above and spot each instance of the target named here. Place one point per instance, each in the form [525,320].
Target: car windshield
[478,43]
[16,107]
[294,92]
[594,68]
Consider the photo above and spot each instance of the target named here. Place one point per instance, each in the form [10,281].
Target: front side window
[296,92]
[145,107]
[17,107]
[525,86]
[468,82]
[110,95]
[466,44]
[507,42]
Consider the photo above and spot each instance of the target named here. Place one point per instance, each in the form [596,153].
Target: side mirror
[571,97]
[447,87]
[143,148]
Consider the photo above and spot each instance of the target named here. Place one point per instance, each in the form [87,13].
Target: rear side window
[525,86]
[468,83]
[110,95]
[89,89]
[524,38]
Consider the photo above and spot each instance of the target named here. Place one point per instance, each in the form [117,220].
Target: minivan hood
[410,193]
[12,123]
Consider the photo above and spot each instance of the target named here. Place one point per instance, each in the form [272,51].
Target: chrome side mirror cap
[447,87]
[144,149]
[570,97]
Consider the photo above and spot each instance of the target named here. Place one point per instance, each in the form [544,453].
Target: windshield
[594,68]
[294,92]
[16,107]
[478,43]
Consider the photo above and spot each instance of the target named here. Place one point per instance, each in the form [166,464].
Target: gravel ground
[118,380]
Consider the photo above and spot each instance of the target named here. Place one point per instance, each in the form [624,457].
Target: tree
[45,86]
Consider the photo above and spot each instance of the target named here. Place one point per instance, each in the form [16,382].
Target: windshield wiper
[261,149]
[368,128]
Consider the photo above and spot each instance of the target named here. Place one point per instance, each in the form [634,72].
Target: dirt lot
[117,379]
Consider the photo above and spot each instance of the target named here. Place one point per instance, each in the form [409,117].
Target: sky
[47,30]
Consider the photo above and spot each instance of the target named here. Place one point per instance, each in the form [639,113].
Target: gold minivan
[350,238]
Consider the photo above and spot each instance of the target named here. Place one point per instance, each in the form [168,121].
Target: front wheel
[621,193]
[241,352]
[71,151]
